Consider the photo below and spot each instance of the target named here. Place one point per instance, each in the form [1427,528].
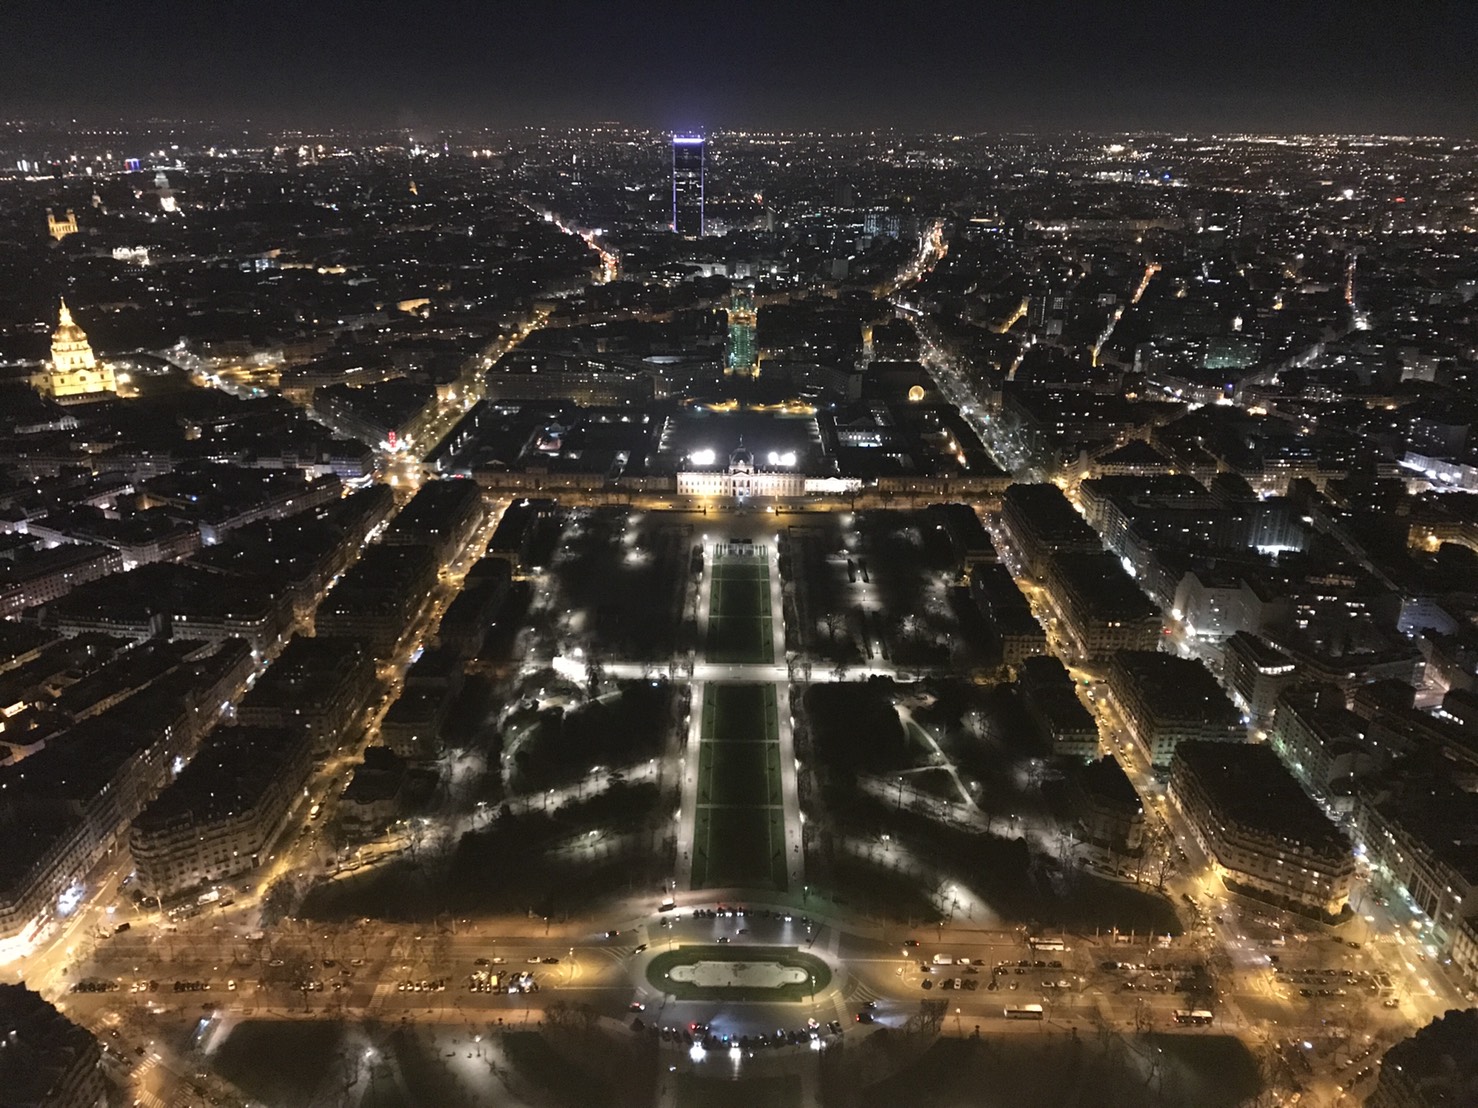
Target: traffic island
[748,973]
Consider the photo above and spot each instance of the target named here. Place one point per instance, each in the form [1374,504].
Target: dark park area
[1019,882]
[881,585]
[542,861]
[554,745]
[298,1064]
[1047,1068]
[620,586]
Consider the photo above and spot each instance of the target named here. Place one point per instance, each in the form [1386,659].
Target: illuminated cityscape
[531,611]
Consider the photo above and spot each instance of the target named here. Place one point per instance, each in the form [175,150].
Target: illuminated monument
[687,185]
[60,228]
[74,375]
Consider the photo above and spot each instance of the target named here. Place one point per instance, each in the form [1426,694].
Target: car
[866,1016]
[906,942]
[612,934]
[275,963]
[723,938]
[636,1006]
[481,962]
[927,984]
[871,1005]
[639,948]
[550,961]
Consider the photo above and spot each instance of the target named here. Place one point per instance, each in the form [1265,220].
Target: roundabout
[758,974]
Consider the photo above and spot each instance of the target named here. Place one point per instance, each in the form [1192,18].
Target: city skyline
[853,611]
[1367,68]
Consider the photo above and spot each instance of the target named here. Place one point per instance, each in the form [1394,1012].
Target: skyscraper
[687,184]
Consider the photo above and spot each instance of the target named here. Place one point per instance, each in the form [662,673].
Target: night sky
[1405,66]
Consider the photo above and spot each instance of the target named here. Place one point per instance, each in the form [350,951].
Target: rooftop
[1248,785]
[229,776]
[1176,688]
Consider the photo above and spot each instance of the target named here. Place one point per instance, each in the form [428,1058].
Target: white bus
[1198,1018]
[1047,944]
[1025,1012]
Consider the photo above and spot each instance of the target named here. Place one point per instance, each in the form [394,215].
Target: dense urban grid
[609,617]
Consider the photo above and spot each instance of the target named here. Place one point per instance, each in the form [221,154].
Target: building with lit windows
[1435,1068]
[1420,833]
[1322,742]
[1102,609]
[222,814]
[318,684]
[1264,836]
[46,1060]
[1048,693]
[1256,673]
[687,185]
[1040,522]
[1167,700]
[741,479]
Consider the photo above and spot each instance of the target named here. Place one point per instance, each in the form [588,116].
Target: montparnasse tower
[74,373]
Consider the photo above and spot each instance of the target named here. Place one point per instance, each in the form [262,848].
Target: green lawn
[746,774]
[739,830]
[739,713]
[740,629]
[739,848]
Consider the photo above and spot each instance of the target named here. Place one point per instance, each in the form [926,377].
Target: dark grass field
[739,831]
[740,848]
[739,623]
